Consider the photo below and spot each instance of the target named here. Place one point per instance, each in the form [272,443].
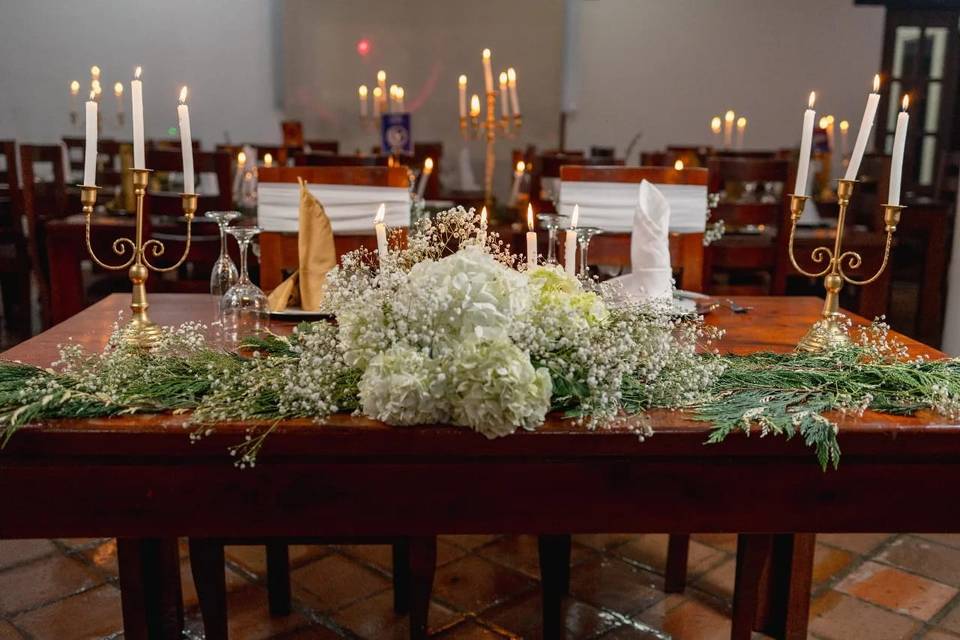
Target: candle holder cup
[140,330]
[831,329]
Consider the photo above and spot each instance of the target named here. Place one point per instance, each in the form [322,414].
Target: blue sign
[395,133]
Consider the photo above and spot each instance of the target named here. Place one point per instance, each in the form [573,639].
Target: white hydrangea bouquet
[450,330]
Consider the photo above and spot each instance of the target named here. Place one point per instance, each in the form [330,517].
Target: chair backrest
[172,144]
[686,247]
[43,173]
[691,156]
[753,191]
[164,201]
[11,206]
[422,151]
[280,154]
[545,177]
[279,253]
[315,159]
[323,146]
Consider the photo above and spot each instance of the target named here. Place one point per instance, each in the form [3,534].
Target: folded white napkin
[350,208]
[650,273]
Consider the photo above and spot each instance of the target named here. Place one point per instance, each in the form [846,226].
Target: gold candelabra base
[140,331]
[831,330]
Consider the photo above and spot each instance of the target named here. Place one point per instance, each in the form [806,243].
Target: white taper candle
[896,160]
[806,142]
[90,153]
[186,142]
[863,135]
[136,95]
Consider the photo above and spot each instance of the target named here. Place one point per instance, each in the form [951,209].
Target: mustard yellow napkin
[317,257]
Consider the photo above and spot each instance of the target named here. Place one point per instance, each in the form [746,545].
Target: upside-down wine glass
[224,274]
[244,310]
[584,235]
[551,222]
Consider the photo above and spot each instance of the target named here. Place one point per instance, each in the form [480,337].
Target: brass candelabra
[473,128]
[831,329]
[140,331]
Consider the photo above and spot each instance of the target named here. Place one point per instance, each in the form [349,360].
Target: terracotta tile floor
[873,586]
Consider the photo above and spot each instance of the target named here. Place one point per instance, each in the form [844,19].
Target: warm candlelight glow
[844,126]
[363,91]
[381,214]
[486,54]
[530,217]
[268,159]
[503,79]
[512,76]
[729,115]
[483,217]
[118,89]
[400,93]
[822,123]
[183,95]
[575,218]
[716,124]
[95,72]
[428,165]
[678,165]
[95,86]
[93,94]
[241,159]
[381,76]
[377,93]
[521,167]
[905,103]
[474,105]
[462,80]
[137,73]
[741,123]
[812,99]
[74,88]
[876,83]
[829,120]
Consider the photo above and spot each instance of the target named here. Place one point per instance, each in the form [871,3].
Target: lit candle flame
[716,124]
[474,105]
[876,83]
[823,122]
[74,88]
[241,159]
[462,80]
[729,115]
[95,72]
[830,120]
[268,159]
[183,95]
[503,79]
[844,125]
[812,99]
[118,89]
[93,94]
[512,76]
[137,73]
[521,167]
[400,93]
[381,214]
[377,93]
[486,54]
[678,165]
[741,123]
[95,86]
[363,91]
[381,76]
[483,217]
[428,165]
[530,217]
[393,91]
[575,218]
[906,101]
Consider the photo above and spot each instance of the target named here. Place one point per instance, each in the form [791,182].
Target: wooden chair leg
[150,594]
[423,564]
[554,580]
[209,578]
[401,576]
[678,551]
[278,578]
[772,586]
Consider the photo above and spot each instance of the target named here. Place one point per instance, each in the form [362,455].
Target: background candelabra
[831,329]
[140,331]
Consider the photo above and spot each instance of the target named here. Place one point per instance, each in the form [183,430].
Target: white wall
[220,48]
[666,68]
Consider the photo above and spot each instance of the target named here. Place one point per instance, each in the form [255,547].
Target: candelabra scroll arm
[157,248]
[88,198]
[891,218]
[819,254]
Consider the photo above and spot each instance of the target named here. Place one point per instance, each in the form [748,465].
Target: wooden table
[139,478]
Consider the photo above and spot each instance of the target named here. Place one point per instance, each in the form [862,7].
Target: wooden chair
[323,146]
[279,253]
[613,249]
[313,159]
[281,155]
[422,151]
[545,176]
[44,197]
[193,276]
[15,262]
[757,227]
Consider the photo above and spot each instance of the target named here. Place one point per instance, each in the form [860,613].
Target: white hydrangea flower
[403,386]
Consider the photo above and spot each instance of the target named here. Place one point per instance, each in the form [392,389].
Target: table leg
[423,564]
[278,578]
[209,579]
[554,580]
[401,576]
[772,588]
[678,552]
[150,588]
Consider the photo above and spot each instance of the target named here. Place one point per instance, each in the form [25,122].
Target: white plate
[297,312]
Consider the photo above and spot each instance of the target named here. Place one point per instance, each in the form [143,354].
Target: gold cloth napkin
[317,256]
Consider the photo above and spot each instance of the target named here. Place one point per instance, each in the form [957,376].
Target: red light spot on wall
[363,46]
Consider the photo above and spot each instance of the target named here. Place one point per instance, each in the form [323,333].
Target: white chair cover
[351,208]
[610,205]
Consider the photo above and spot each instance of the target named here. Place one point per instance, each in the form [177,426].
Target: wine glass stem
[244,278]
[552,245]
[584,244]
[223,242]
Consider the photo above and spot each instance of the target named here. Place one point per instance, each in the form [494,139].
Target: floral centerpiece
[451,330]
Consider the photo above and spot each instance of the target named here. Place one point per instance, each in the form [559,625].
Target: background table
[138,477]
